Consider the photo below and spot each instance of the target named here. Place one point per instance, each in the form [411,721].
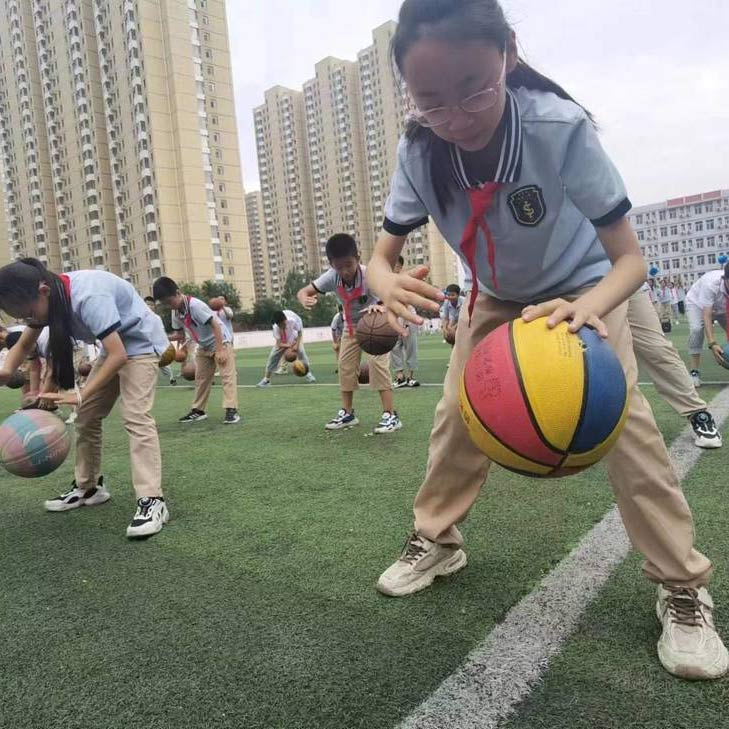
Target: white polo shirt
[293,327]
[709,291]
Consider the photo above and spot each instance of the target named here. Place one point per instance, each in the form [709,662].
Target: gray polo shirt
[103,303]
[330,282]
[196,318]
[557,186]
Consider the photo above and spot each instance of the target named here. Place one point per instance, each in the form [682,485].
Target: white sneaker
[282,371]
[78,497]
[310,377]
[696,378]
[706,434]
[152,514]
[264,383]
[389,423]
[689,646]
[419,564]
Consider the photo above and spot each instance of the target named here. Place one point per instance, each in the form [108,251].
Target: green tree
[191,289]
[321,314]
[211,289]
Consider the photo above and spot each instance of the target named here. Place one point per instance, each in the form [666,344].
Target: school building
[684,236]
[118,140]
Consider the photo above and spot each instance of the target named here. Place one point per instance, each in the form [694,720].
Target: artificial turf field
[255,607]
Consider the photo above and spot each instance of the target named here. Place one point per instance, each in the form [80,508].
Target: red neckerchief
[282,330]
[348,297]
[188,319]
[66,281]
[481,200]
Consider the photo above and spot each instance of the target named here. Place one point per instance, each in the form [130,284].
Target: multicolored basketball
[543,402]
[300,369]
[33,443]
[188,371]
[290,355]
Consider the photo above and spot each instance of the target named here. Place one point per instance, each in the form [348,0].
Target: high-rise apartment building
[684,236]
[332,174]
[118,135]
[257,238]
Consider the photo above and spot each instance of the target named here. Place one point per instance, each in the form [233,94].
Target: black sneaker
[173,381]
[398,383]
[194,416]
[231,416]
[705,431]
[412,382]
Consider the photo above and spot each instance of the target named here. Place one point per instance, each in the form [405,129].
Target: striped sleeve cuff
[401,230]
[619,211]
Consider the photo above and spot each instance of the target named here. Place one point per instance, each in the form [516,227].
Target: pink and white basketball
[33,443]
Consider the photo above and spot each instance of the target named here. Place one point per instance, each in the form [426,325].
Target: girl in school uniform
[510,169]
[91,305]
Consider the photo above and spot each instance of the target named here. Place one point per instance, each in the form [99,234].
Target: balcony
[149,210]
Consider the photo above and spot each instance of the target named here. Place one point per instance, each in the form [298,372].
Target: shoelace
[143,509]
[414,549]
[685,607]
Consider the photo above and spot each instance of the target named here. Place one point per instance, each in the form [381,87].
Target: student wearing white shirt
[706,301]
[288,336]
[404,356]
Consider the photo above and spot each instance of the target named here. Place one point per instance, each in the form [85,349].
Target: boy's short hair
[149,300]
[12,339]
[401,260]
[341,245]
[164,287]
[453,289]
[278,317]
[726,270]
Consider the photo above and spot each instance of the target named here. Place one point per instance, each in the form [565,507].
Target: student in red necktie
[346,278]
[510,169]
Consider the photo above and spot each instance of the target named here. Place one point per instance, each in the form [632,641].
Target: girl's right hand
[399,291]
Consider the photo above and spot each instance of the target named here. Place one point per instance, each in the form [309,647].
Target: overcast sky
[654,72]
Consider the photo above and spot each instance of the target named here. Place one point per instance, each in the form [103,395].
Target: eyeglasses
[474,104]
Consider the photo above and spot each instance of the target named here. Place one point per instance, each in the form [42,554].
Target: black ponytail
[461,21]
[19,283]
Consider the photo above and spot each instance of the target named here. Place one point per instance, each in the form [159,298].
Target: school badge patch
[527,205]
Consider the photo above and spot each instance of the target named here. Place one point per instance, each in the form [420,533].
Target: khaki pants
[135,384]
[659,358]
[652,505]
[205,367]
[350,355]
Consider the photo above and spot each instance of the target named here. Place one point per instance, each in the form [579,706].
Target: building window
[221,187]
[711,258]
[699,226]
[674,230]
[700,260]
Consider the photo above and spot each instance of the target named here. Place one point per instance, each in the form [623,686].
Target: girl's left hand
[59,398]
[558,310]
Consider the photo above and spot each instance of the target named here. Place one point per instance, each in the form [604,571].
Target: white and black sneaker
[412,382]
[264,382]
[194,416]
[231,416]
[173,381]
[151,516]
[343,420]
[398,383]
[705,430]
[76,497]
[389,423]
[696,378]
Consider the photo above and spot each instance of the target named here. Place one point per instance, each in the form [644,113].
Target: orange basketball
[216,304]
[374,333]
[168,356]
[364,373]
[181,355]
[290,355]
[84,369]
[450,336]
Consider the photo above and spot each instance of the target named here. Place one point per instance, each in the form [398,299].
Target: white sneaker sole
[448,567]
[719,668]
[707,443]
[232,422]
[385,431]
[197,420]
[148,530]
[342,426]
[95,500]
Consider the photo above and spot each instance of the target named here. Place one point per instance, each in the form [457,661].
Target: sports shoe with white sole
[696,378]
[705,431]
[152,514]
[412,382]
[343,420]
[389,423]
[264,383]
[194,416]
[420,562]
[78,497]
[310,377]
[231,416]
[689,646]
[397,384]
